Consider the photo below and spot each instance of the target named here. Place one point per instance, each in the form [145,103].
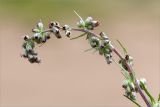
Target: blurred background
[68,76]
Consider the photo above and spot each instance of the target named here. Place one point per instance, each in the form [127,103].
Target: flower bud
[143,81]
[132,86]
[125,83]
[37,35]
[40,25]
[67,33]
[95,23]
[108,58]
[89,20]
[58,35]
[55,30]
[94,41]
[80,24]
[133,95]
[44,39]
[66,27]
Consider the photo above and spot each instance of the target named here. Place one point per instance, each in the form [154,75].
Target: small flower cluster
[131,89]
[40,36]
[89,23]
[28,47]
[102,44]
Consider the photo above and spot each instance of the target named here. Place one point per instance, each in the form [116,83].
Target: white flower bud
[66,27]
[89,20]
[94,42]
[143,80]
[37,35]
[67,33]
[95,23]
[40,25]
[80,24]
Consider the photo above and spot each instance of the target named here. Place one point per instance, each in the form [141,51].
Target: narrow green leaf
[124,49]
[78,36]
[138,105]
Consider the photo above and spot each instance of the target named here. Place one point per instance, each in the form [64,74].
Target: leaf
[124,49]
[138,105]
[78,36]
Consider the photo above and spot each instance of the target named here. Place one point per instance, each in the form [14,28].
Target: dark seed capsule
[26,37]
[124,86]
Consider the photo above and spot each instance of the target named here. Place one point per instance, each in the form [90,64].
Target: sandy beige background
[68,76]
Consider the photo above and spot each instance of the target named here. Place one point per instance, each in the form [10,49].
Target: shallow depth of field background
[68,76]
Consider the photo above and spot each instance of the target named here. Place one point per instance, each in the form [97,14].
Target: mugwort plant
[100,43]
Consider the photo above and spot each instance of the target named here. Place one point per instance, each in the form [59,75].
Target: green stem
[78,36]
